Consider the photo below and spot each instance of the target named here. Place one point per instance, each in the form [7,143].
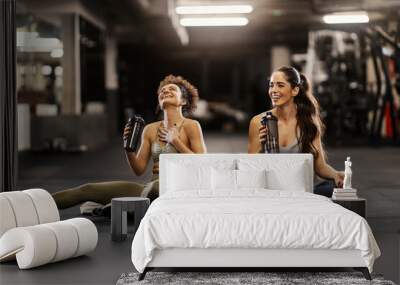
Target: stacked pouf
[31,230]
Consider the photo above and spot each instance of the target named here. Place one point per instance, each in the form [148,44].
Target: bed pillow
[227,179]
[294,179]
[183,177]
[281,173]
[223,179]
[251,178]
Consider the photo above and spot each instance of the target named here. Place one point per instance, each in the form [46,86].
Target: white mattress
[256,218]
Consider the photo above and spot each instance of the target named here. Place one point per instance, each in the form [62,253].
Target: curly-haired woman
[299,125]
[174,134]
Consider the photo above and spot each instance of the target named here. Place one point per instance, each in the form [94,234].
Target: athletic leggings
[325,188]
[103,192]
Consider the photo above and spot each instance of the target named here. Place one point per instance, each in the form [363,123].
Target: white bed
[226,217]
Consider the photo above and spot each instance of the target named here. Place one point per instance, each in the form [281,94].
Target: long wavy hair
[308,112]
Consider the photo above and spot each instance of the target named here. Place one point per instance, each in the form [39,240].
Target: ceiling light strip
[346,18]
[220,9]
[214,21]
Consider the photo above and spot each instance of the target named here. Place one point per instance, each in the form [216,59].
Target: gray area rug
[228,278]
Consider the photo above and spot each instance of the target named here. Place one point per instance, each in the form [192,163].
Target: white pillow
[294,179]
[183,177]
[283,173]
[223,179]
[251,178]
[226,179]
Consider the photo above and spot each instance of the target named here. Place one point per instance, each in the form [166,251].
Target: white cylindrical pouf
[34,246]
[45,205]
[40,244]
[87,233]
[67,239]
[7,218]
[23,208]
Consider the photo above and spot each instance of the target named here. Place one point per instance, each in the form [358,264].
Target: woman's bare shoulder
[153,125]
[151,128]
[257,118]
[192,126]
[191,123]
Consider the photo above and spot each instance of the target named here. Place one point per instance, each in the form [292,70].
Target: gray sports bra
[295,148]
[291,148]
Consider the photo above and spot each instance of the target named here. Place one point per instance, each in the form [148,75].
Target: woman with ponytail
[299,125]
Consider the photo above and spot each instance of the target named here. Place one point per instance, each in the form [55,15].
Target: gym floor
[375,175]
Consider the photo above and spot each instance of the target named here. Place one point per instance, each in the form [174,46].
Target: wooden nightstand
[357,205]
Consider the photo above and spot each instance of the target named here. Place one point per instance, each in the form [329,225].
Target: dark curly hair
[189,92]
[308,113]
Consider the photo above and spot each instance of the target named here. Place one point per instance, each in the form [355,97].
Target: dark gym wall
[233,76]
[8,100]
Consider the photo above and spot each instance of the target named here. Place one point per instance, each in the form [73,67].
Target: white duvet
[250,219]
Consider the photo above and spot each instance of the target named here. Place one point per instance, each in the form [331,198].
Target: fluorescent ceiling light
[220,9]
[346,18]
[214,21]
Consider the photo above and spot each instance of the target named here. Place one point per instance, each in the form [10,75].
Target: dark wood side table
[358,205]
[119,218]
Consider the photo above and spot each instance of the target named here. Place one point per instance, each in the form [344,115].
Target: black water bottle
[131,143]
[271,144]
